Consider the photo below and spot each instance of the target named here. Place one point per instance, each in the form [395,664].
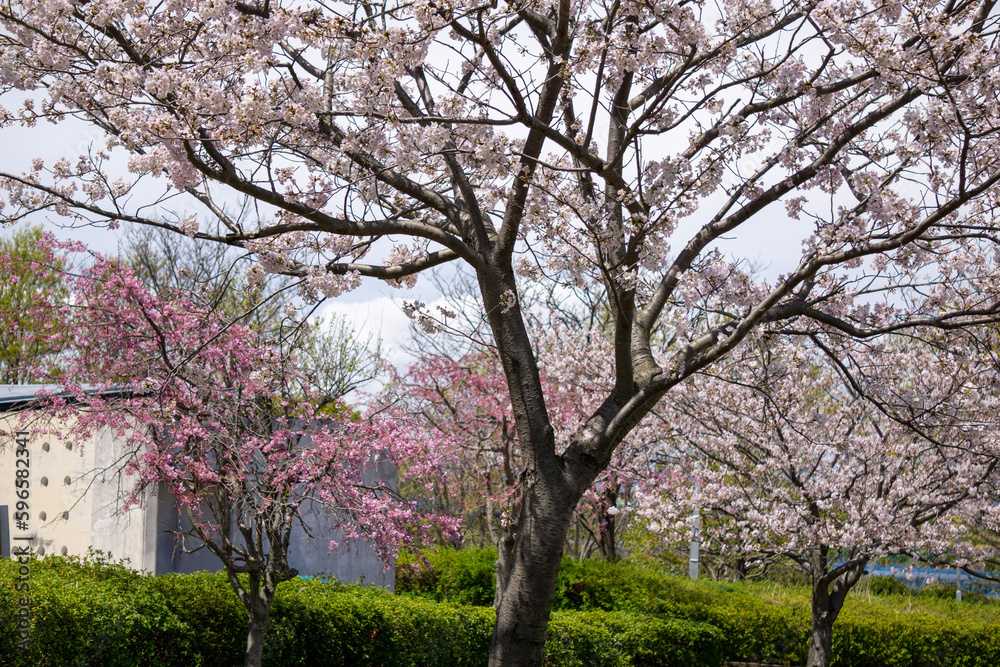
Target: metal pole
[695,544]
[695,527]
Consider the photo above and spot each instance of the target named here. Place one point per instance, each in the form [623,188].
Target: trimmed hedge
[750,629]
[86,613]
[756,622]
[864,636]
[97,613]
[614,639]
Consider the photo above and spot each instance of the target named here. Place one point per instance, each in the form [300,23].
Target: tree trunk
[821,637]
[829,590]
[256,598]
[606,525]
[260,616]
[526,600]
[505,561]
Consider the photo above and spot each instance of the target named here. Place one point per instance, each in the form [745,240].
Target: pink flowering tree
[830,467]
[607,146]
[220,415]
[461,406]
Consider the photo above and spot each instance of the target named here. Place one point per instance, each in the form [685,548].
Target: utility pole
[695,555]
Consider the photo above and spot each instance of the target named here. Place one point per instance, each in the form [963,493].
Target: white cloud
[379,317]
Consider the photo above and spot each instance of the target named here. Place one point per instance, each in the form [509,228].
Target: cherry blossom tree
[331,355]
[831,466]
[593,144]
[217,414]
[462,407]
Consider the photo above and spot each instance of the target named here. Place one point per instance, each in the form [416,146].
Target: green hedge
[756,623]
[98,613]
[616,639]
[750,628]
[463,577]
[86,613]
[866,636]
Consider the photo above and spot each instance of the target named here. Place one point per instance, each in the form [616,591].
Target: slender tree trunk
[260,617]
[257,598]
[606,526]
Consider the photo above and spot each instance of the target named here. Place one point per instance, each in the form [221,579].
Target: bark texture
[524,603]
[260,617]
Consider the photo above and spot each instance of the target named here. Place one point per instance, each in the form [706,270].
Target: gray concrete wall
[120,533]
[309,553]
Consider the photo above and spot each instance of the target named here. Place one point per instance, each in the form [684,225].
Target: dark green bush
[751,627]
[87,613]
[94,613]
[877,638]
[316,624]
[617,638]
[462,577]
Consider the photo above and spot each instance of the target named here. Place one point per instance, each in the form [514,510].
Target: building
[73,504]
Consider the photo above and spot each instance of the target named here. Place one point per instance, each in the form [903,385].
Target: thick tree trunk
[829,590]
[505,561]
[739,570]
[551,485]
[526,600]
[821,636]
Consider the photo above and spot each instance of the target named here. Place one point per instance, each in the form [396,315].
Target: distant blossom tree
[462,407]
[333,359]
[219,414]
[789,459]
[587,144]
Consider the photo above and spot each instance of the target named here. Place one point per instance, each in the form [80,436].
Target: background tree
[462,406]
[612,144]
[331,355]
[30,279]
[220,416]
[789,460]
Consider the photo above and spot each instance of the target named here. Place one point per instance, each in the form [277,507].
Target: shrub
[886,586]
[463,577]
[617,638]
[947,592]
[92,612]
[869,637]
[750,628]
[757,623]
